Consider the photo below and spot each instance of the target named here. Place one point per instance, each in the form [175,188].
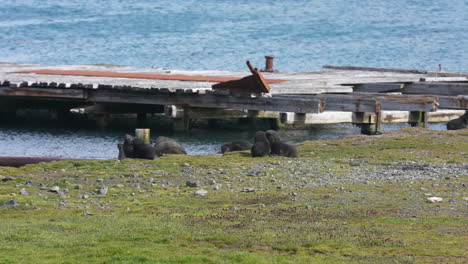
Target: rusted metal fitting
[269,64]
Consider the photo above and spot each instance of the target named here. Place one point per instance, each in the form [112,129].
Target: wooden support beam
[436,88]
[43,92]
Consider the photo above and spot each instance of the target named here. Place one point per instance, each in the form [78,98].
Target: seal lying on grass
[458,123]
[280,148]
[165,145]
[134,147]
[236,146]
[261,146]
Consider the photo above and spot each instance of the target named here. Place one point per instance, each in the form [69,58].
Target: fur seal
[261,146]
[280,148]
[165,145]
[236,146]
[458,123]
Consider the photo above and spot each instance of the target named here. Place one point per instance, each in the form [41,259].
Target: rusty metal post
[269,64]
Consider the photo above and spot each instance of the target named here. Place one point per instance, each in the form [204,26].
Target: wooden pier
[337,94]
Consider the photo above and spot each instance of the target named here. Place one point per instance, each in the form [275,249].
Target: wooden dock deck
[336,94]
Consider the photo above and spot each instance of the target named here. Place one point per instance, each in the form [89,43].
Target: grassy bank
[356,200]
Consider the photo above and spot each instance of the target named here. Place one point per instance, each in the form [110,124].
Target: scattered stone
[103,190]
[248,189]
[54,189]
[134,200]
[78,187]
[23,192]
[201,192]
[100,180]
[192,183]
[119,185]
[61,194]
[217,186]
[452,201]
[115,195]
[434,199]
[10,203]
[5,179]
[233,208]
[424,189]
[262,206]
[85,213]
[132,194]
[465,198]
[211,182]
[63,204]
[185,165]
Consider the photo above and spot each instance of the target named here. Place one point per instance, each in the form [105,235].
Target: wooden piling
[143,133]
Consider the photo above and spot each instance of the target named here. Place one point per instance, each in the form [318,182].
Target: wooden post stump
[143,133]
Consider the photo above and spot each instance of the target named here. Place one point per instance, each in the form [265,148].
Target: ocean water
[223,34]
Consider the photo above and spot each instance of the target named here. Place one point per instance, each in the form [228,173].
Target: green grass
[388,223]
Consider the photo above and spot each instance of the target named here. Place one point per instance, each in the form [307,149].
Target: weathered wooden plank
[43,92]
[377,69]
[453,102]
[378,87]
[436,88]
[444,79]
[209,100]
[362,102]
[309,89]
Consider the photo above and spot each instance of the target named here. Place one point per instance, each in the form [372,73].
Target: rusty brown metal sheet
[141,76]
[22,161]
[255,83]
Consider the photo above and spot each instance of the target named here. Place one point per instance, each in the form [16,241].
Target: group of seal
[265,143]
[136,148]
[458,123]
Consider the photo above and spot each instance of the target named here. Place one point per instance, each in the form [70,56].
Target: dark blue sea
[222,34]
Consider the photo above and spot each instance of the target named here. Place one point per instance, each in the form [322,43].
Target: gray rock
[248,189]
[103,190]
[54,189]
[85,213]
[5,179]
[78,187]
[452,201]
[434,199]
[10,203]
[201,192]
[23,192]
[192,183]
[211,182]
[233,208]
